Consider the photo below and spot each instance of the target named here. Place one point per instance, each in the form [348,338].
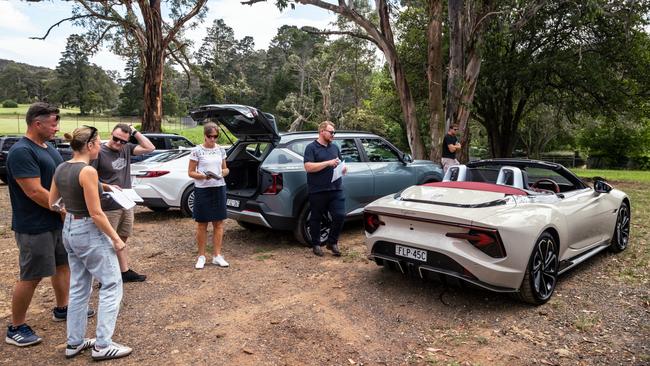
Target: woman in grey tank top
[91,244]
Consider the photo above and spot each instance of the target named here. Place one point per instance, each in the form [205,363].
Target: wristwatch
[134,132]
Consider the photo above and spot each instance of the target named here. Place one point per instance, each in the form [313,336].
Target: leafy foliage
[9,104]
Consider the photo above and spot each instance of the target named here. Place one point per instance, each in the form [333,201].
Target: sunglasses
[331,132]
[119,140]
[212,136]
[93,133]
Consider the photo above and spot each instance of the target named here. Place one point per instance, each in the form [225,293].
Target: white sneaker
[71,351]
[200,262]
[220,261]
[115,350]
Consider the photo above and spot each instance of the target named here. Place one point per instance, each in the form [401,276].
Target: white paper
[338,171]
[121,198]
[132,194]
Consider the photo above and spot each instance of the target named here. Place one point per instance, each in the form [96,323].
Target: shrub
[9,104]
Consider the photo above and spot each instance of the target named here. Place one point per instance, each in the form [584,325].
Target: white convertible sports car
[506,225]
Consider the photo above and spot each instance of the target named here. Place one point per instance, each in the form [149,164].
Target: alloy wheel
[544,268]
[623,227]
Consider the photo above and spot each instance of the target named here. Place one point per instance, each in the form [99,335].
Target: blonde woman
[91,243]
[208,168]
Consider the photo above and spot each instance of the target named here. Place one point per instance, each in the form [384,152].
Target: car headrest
[456,173]
[511,176]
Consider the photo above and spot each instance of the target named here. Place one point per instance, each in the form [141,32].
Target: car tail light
[153,173]
[486,241]
[276,184]
[371,222]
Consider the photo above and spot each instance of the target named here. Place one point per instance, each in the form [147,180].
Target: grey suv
[267,184]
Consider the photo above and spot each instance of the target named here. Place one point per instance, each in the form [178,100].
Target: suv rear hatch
[257,135]
[245,123]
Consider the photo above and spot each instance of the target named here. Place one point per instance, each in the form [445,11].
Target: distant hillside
[31,68]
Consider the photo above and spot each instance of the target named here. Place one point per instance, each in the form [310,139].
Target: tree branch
[348,33]
[179,24]
[59,23]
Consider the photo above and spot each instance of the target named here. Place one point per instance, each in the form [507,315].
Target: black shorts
[40,254]
[209,204]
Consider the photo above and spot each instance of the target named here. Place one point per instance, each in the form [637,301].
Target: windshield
[167,156]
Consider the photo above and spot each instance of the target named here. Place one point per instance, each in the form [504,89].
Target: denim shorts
[209,204]
[40,254]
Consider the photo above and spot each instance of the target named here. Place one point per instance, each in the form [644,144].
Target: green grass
[22,109]
[15,125]
[634,263]
[639,176]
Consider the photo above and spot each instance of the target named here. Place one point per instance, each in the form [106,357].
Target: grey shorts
[122,221]
[40,254]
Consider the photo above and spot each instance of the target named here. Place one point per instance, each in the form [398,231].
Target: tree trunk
[153,70]
[408,106]
[456,61]
[466,99]
[434,76]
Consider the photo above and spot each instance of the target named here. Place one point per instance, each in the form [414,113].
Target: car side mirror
[600,186]
[407,158]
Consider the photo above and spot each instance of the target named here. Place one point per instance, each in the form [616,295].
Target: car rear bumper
[486,273]
[151,197]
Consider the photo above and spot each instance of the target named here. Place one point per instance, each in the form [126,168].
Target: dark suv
[267,184]
[163,142]
[7,141]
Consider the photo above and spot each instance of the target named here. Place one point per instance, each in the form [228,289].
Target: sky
[20,20]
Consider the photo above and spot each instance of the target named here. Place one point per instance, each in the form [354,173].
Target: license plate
[232,203]
[417,254]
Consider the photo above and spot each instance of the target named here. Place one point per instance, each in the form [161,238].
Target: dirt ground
[280,305]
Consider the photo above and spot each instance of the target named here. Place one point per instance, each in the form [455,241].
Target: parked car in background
[267,184]
[7,141]
[163,142]
[162,181]
[506,225]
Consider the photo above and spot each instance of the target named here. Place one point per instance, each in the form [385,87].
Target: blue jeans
[321,203]
[91,254]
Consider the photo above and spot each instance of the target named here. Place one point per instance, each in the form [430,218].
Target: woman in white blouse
[208,168]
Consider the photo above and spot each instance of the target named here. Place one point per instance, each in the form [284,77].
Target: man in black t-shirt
[31,163]
[450,145]
[321,157]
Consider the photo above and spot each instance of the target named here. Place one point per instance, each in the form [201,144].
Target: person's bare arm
[144,144]
[191,171]
[224,169]
[34,190]
[88,180]
[312,167]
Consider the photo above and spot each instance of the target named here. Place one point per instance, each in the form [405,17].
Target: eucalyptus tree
[157,37]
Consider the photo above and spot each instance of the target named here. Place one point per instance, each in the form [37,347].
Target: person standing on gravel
[208,168]
[92,244]
[31,163]
[321,157]
[113,165]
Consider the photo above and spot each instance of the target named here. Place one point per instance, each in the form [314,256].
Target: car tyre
[621,236]
[158,209]
[301,232]
[187,201]
[542,271]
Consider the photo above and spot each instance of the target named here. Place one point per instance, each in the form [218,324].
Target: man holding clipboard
[322,158]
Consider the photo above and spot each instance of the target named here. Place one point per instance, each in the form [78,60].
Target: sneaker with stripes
[22,336]
[71,351]
[115,350]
